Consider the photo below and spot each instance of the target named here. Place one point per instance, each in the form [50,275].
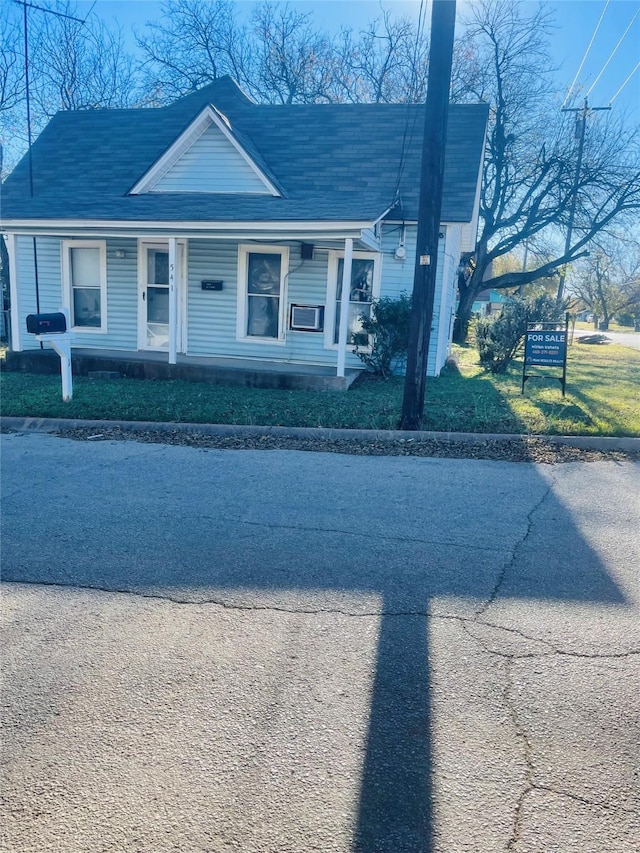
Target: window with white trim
[364,289]
[84,275]
[262,273]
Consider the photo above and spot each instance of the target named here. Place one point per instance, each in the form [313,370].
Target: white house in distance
[217,228]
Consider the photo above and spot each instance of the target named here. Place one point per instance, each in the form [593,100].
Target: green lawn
[613,327]
[603,398]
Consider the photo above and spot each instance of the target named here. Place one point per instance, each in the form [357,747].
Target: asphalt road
[623,339]
[277,651]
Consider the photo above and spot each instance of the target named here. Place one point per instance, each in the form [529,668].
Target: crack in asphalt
[521,734]
[514,552]
[365,535]
[511,658]
[583,800]
[226,605]
[465,621]
[520,729]
[553,650]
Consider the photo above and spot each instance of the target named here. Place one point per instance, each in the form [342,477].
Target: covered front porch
[191,298]
[245,372]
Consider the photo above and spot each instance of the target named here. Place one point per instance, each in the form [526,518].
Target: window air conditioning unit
[307,318]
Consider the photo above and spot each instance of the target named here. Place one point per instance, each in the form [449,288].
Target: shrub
[627,318]
[388,330]
[498,338]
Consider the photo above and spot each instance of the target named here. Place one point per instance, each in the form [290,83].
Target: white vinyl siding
[121,291]
[212,315]
[397,278]
[122,297]
[449,290]
[49,281]
[211,165]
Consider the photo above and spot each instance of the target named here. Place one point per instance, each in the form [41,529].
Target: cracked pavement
[221,650]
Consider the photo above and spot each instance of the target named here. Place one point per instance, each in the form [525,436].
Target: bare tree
[282,57]
[608,280]
[11,65]
[529,175]
[77,65]
[193,44]
[386,63]
[292,62]
[72,65]
[12,89]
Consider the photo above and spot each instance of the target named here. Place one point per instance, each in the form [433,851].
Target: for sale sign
[547,348]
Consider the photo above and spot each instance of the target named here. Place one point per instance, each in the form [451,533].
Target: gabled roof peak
[223,93]
[208,156]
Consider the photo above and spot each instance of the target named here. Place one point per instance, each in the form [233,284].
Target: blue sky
[576,21]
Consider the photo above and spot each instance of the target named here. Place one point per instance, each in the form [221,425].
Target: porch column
[173,299]
[344,305]
[16,342]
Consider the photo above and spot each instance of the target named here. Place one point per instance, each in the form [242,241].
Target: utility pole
[443,20]
[581,124]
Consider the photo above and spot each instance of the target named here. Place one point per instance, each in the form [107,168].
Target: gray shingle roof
[334,161]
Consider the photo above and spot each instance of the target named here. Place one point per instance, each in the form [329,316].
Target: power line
[93,5]
[408,136]
[613,52]
[581,119]
[595,32]
[625,83]
[57,14]
[50,11]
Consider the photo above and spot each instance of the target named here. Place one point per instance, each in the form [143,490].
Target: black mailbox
[46,324]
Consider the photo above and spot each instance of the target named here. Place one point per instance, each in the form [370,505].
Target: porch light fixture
[120,253]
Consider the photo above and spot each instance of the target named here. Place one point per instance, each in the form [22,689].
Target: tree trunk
[463,314]
[468,288]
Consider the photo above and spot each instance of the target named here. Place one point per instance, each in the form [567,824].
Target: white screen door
[154,296]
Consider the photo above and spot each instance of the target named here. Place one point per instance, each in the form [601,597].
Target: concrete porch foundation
[216,371]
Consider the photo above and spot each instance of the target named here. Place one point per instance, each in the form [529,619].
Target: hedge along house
[217,229]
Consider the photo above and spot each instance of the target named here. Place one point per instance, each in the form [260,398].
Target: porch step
[239,372]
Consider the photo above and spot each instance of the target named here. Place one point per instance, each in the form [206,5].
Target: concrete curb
[54,425]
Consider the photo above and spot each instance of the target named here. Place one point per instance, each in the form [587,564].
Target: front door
[153,329]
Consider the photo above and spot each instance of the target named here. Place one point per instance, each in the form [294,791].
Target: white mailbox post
[52,329]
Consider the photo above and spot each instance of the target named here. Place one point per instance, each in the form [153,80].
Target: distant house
[220,228]
[488,302]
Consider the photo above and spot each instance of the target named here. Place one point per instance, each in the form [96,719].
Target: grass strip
[603,398]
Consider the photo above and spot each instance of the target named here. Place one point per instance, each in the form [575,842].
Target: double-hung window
[364,289]
[262,274]
[84,275]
